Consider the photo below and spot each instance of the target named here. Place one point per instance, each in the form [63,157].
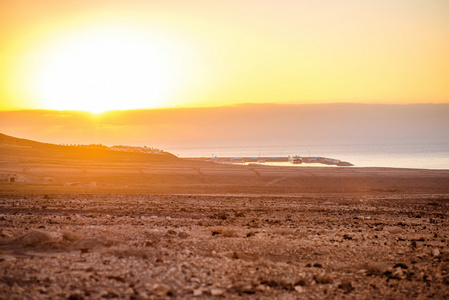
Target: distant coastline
[418,155]
[290,160]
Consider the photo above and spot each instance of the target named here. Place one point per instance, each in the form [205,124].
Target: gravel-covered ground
[193,246]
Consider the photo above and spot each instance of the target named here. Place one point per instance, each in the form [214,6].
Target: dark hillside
[23,150]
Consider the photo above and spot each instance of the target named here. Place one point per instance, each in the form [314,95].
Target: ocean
[390,155]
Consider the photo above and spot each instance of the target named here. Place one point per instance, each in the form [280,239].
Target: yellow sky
[101,55]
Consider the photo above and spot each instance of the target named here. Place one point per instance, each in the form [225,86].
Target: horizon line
[223,106]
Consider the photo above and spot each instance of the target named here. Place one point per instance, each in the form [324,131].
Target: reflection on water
[423,156]
[288,164]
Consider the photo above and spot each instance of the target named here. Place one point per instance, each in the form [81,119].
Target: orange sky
[241,125]
[105,55]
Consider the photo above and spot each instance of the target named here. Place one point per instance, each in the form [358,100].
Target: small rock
[35,237]
[398,274]
[436,252]
[222,216]
[70,236]
[245,256]
[109,295]
[375,268]
[216,292]
[75,297]
[395,230]
[262,288]
[299,289]
[347,237]
[161,290]
[7,258]
[346,286]
[183,235]
[216,232]
[6,233]
[401,265]
[323,278]
[301,282]
[197,292]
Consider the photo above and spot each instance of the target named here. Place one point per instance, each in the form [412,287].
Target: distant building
[295,159]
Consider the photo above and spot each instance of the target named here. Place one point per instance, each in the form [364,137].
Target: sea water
[393,155]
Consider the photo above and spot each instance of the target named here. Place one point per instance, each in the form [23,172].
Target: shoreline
[294,160]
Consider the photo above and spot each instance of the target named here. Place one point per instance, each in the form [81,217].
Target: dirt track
[229,246]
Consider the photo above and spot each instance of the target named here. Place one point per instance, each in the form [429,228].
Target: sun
[106,69]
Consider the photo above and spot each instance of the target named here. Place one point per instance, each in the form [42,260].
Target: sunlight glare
[106,69]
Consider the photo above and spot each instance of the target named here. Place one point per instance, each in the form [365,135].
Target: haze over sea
[366,135]
[394,155]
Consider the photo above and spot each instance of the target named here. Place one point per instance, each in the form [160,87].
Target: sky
[116,55]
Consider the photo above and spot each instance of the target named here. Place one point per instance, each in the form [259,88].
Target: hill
[33,151]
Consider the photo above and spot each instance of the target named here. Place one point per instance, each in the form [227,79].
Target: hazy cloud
[236,125]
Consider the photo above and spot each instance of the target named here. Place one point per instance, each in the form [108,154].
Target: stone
[216,292]
[7,258]
[395,230]
[436,252]
[75,297]
[6,233]
[375,268]
[347,237]
[35,237]
[346,287]
[323,278]
[299,289]
[398,273]
[400,265]
[161,290]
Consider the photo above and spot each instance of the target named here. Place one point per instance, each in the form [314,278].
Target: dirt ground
[310,246]
[81,224]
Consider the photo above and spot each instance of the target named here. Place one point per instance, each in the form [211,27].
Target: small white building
[295,159]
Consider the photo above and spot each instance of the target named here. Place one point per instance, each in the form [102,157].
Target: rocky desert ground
[81,223]
[106,246]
